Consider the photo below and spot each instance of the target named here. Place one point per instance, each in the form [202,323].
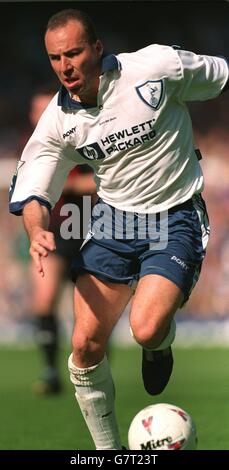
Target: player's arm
[203,77]
[38,182]
[226,86]
[44,165]
[36,222]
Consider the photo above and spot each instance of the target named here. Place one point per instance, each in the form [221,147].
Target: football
[162,427]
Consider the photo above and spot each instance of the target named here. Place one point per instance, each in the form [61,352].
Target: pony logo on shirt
[151,92]
[91,152]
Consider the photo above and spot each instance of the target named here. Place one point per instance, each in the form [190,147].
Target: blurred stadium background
[200,381]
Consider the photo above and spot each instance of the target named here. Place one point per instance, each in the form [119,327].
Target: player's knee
[149,334]
[87,350]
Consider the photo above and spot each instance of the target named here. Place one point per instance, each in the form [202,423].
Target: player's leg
[154,305]
[167,277]
[45,295]
[98,306]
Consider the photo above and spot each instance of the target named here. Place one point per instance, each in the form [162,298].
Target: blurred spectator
[46,291]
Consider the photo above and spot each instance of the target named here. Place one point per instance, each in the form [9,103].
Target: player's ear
[99,48]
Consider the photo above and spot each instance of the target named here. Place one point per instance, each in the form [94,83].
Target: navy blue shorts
[122,247]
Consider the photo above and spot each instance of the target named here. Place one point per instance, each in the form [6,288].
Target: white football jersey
[138,138]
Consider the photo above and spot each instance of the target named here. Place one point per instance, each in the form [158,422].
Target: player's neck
[88,96]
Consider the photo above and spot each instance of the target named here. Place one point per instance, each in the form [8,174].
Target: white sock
[95,395]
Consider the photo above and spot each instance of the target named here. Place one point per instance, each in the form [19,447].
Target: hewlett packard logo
[91,152]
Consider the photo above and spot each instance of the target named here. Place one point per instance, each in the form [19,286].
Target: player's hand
[41,243]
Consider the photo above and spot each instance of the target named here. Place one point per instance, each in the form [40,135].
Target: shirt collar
[109,62]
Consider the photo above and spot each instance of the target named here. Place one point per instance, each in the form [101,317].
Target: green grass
[200,385]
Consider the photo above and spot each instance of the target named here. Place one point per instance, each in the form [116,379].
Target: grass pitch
[200,385]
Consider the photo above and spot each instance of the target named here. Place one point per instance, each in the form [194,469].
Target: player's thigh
[98,306]
[46,290]
[154,305]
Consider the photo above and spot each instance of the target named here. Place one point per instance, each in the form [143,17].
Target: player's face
[76,62]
